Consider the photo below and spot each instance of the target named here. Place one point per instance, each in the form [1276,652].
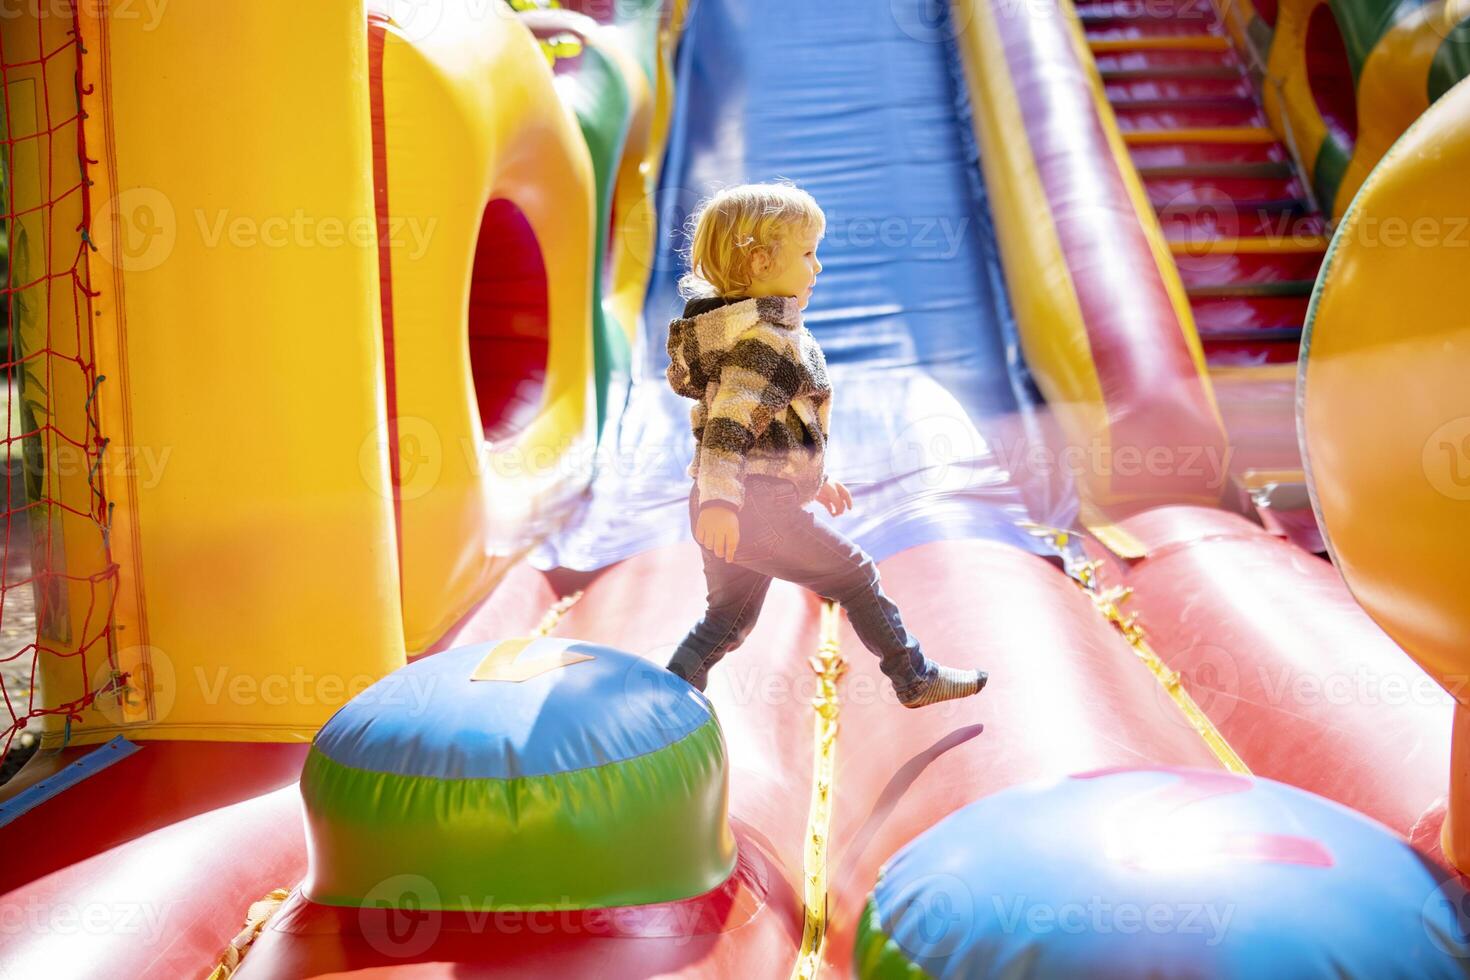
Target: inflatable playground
[346,537]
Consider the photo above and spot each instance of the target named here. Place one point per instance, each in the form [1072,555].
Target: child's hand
[718,529]
[835,497]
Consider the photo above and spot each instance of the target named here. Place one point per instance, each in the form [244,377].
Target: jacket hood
[700,340]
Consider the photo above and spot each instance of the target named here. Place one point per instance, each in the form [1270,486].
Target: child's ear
[760,262]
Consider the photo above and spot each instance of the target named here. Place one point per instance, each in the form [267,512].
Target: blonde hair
[728,228]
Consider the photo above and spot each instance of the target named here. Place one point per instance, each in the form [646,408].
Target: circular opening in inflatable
[508,333]
[1266,10]
[1330,76]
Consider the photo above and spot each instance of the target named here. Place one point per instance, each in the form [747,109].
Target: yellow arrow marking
[503,664]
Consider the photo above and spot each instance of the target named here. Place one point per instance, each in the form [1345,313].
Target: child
[761,425]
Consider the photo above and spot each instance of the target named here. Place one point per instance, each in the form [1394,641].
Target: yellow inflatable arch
[474,148]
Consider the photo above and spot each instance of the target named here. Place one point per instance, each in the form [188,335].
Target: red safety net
[59,581]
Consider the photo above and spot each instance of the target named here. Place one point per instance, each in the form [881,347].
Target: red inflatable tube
[1296,676]
[1067,694]
[181,838]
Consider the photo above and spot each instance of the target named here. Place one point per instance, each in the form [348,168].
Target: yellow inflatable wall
[236,322]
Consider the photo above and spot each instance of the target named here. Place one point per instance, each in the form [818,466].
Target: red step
[1131,30]
[1134,90]
[1183,9]
[1169,64]
[1213,171]
[1204,224]
[1217,191]
[1187,117]
[1251,349]
[1249,313]
[1184,153]
[1146,19]
[1247,267]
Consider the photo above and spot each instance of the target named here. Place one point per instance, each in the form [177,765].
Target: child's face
[794,272]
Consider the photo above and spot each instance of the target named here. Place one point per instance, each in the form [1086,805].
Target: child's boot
[944,684]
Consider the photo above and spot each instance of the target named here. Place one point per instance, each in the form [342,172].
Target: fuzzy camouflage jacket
[762,399]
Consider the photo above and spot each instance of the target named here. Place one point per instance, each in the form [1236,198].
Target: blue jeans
[779,539]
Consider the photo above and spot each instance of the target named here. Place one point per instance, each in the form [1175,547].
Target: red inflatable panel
[157,786]
[166,903]
[1066,694]
[1300,681]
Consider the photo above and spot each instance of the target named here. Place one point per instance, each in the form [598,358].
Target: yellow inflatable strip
[1254,372]
[554,613]
[1252,245]
[1201,134]
[1174,42]
[255,919]
[1113,537]
[505,661]
[635,220]
[829,665]
[1257,479]
[1109,602]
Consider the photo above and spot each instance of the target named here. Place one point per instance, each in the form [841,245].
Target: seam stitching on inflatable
[829,666]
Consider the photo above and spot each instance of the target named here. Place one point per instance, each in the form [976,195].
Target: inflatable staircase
[1242,225]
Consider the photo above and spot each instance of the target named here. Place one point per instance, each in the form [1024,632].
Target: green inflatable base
[648,829]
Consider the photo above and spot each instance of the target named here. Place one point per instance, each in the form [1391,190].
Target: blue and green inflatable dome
[1166,872]
[533,772]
